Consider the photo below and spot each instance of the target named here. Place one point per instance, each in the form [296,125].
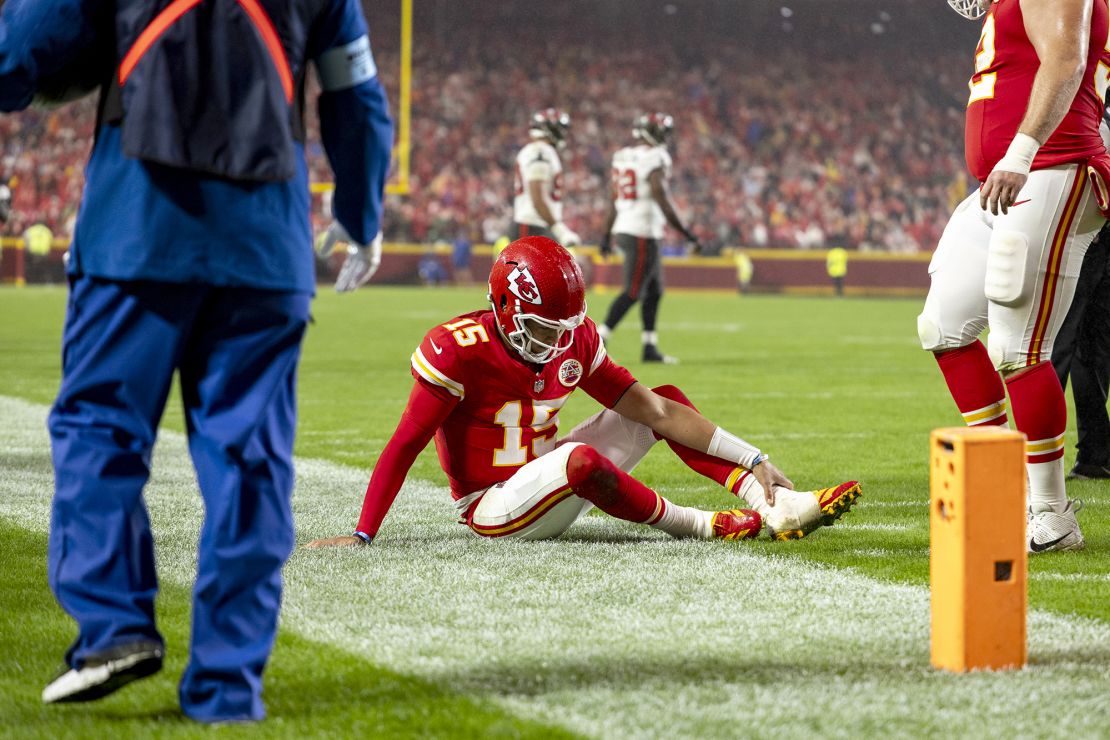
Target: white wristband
[730,447]
[1019,157]
[342,67]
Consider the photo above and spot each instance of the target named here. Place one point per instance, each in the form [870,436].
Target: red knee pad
[586,465]
[592,476]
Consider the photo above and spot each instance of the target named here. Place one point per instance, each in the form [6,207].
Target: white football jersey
[538,160]
[637,212]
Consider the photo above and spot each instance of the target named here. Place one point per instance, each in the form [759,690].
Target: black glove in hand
[605,246]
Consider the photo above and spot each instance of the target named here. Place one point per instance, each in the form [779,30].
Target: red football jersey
[508,413]
[1005,65]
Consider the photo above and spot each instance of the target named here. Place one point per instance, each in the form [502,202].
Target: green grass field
[612,630]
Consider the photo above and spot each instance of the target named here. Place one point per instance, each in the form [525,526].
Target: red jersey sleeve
[428,407]
[437,360]
[605,381]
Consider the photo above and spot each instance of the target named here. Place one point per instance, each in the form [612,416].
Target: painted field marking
[612,630]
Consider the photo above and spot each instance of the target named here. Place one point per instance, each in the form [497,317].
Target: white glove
[361,264]
[327,242]
[564,235]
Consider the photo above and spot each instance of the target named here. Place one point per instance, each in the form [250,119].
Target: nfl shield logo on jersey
[537,387]
[570,372]
[523,286]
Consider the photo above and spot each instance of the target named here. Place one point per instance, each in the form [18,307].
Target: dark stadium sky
[829,27]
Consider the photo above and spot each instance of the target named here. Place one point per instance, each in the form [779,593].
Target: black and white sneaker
[652,354]
[1083,471]
[106,672]
[1050,531]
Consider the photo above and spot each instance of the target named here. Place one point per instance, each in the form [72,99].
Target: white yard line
[922,503]
[1072,577]
[873,526]
[615,630]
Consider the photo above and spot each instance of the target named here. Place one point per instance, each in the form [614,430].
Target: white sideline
[613,630]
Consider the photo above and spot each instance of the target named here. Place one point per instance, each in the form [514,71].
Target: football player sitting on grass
[489,387]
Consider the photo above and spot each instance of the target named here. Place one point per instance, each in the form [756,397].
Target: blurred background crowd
[810,124]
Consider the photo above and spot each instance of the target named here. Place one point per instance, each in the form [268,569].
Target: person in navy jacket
[192,253]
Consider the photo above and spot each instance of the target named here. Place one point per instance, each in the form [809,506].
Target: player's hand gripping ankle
[769,476]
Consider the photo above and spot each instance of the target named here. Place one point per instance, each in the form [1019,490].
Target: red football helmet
[538,297]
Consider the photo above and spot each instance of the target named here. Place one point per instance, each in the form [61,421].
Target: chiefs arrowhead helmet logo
[523,286]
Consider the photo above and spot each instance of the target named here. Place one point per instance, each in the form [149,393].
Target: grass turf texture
[312,688]
[832,388]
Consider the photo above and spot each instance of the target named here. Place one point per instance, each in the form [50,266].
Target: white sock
[792,509]
[650,337]
[1046,486]
[604,331]
[754,495]
[684,521]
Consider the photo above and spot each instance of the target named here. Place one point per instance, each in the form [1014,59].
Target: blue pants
[236,350]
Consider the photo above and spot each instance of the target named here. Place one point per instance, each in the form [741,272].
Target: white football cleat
[797,513]
[1049,531]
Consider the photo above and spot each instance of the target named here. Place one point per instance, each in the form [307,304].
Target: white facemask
[970,9]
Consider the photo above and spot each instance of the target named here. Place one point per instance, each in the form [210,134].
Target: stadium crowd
[781,149]
[42,157]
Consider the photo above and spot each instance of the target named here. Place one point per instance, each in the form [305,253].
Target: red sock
[975,385]
[594,478]
[728,474]
[1040,412]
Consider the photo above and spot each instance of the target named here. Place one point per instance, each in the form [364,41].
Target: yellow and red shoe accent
[737,524]
[832,503]
[836,501]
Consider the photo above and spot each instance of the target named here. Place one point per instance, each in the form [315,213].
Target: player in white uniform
[639,209]
[5,202]
[538,181]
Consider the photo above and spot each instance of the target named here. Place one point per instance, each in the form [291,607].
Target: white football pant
[536,502]
[1014,272]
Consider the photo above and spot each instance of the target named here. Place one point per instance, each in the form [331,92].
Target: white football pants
[1014,272]
[536,502]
